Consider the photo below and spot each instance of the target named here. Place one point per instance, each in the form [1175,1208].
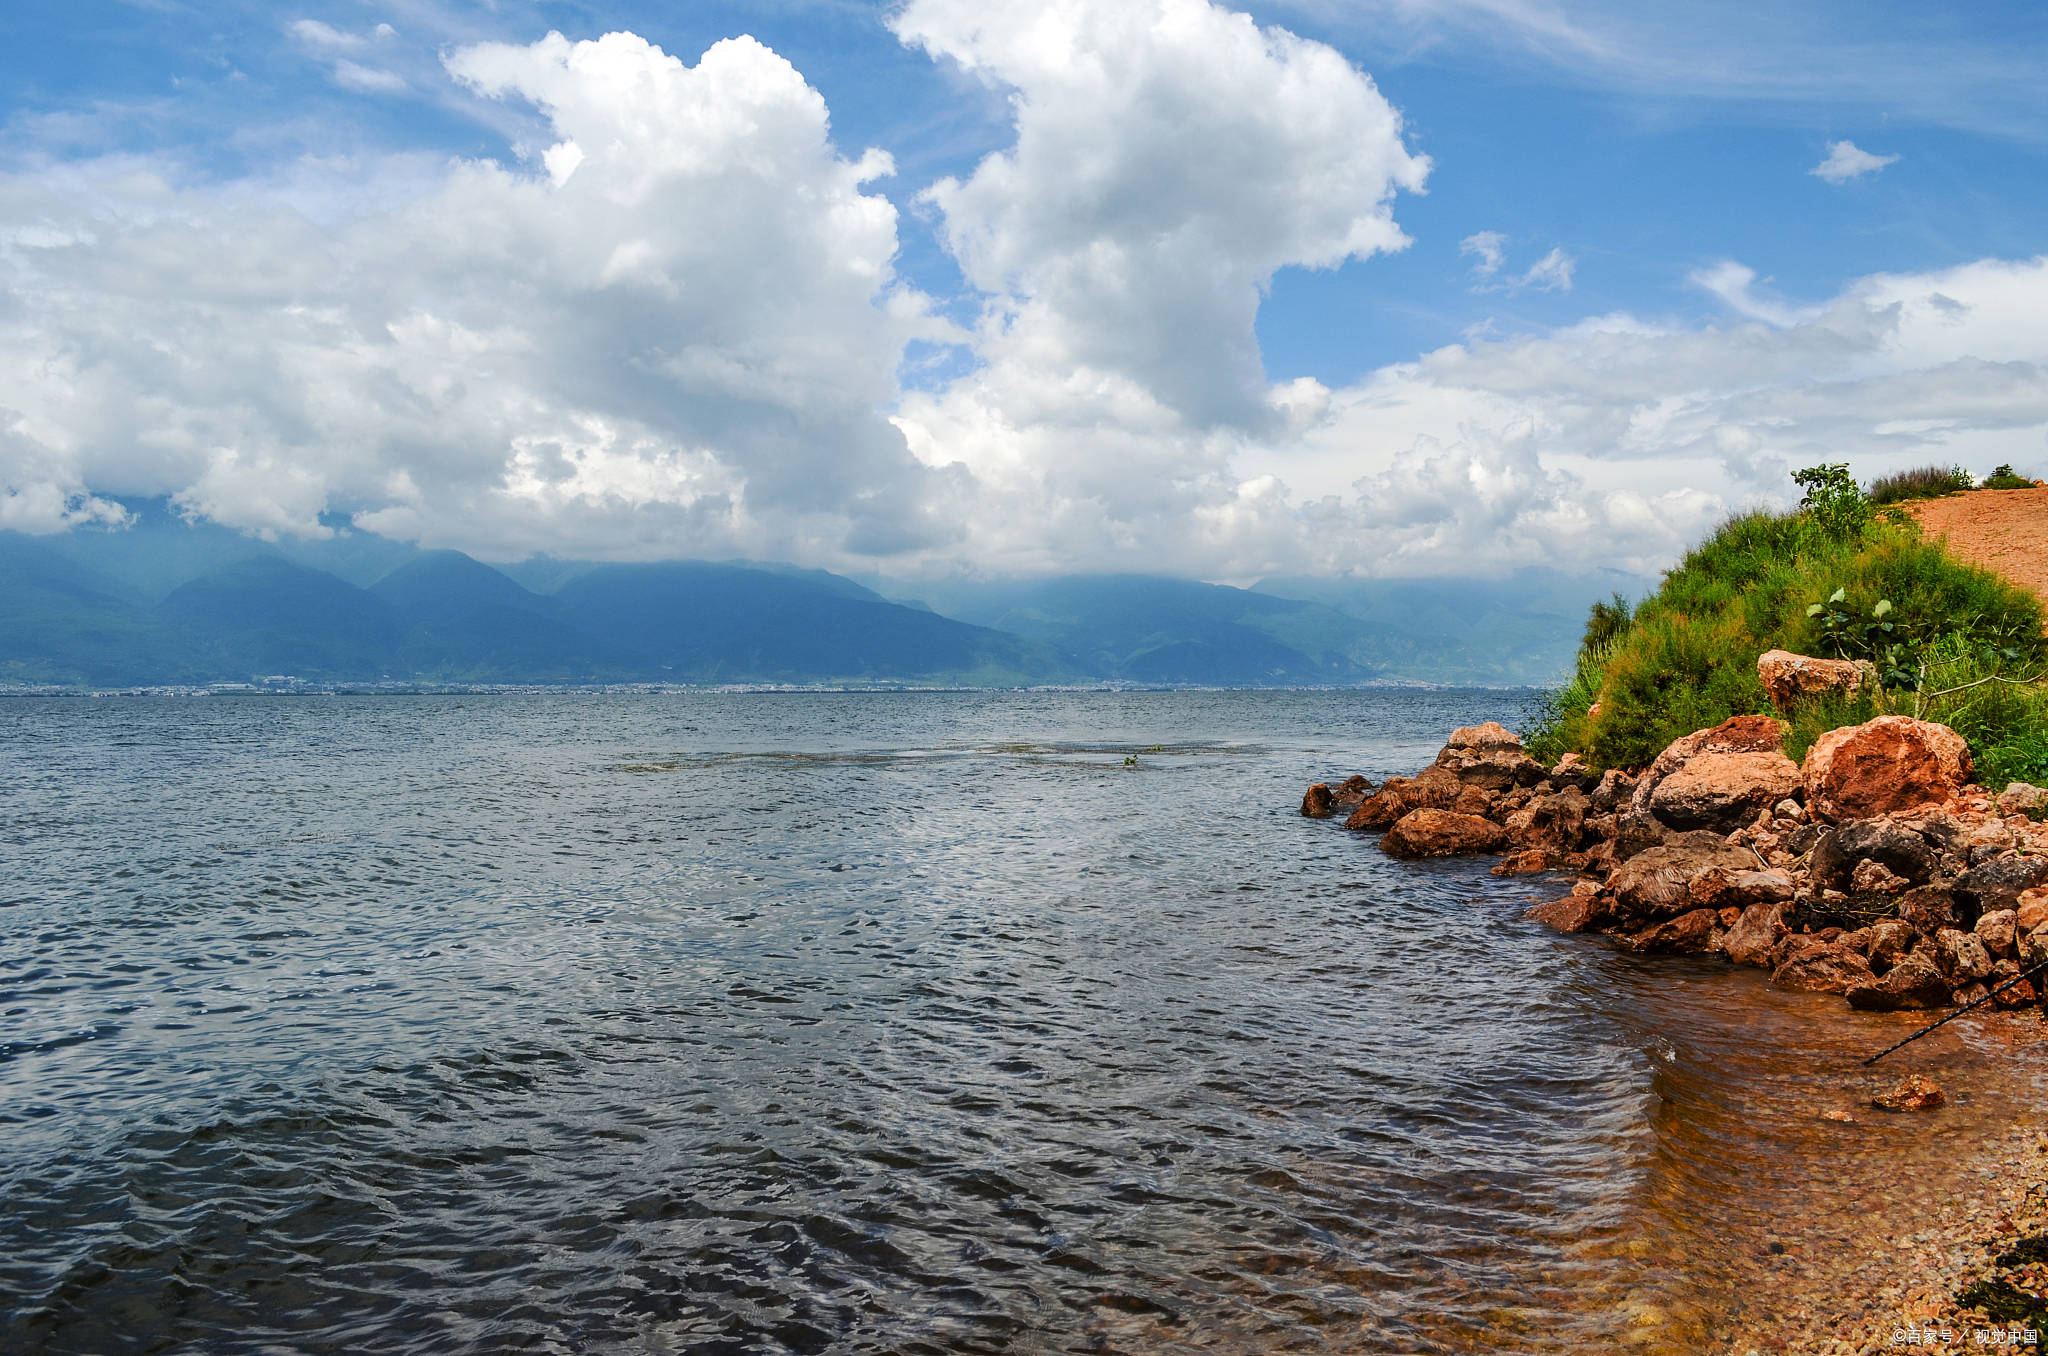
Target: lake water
[734,1023]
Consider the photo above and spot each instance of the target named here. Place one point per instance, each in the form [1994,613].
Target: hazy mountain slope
[466,622]
[1523,628]
[727,623]
[61,622]
[266,616]
[1147,629]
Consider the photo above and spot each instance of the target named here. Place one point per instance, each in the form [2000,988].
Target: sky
[935,288]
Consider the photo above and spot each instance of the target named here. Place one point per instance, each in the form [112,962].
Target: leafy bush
[1928,482]
[1606,623]
[1686,659]
[2005,479]
[1832,502]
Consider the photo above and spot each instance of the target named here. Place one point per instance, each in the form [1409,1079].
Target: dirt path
[2005,531]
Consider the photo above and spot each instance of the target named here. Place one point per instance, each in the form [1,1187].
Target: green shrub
[2005,479]
[1830,579]
[1927,482]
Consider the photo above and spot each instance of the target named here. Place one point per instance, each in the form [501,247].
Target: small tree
[1833,502]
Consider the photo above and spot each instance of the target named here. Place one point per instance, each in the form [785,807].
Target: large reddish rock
[1723,791]
[1823,967]
[1884,766]
[1718,887]
[1790,679]
[1351,791]
[1999,931]
[1697,798]
[1490,757]
[1442,833]
[1656,883]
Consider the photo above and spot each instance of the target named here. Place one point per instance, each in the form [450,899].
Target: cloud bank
[674,327]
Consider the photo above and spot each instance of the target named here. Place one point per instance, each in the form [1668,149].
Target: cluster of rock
[1874,869]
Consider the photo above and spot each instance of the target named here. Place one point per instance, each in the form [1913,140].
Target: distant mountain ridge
[166,602]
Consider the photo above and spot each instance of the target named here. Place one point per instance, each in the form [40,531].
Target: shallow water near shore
[869,1022]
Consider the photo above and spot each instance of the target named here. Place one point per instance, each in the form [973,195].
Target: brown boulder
[1755,936]
[1928,909]
[1433,788]
[1915,1092]
[2022,799]
[1578,911]
[1491,737]
[1352,791]
[1656,883]
[1902,854]
[1999,931]
[1742,734]
[1961,957]
[2000,882]
[1915,982]
[1718,887]
[1492,769]
[1556,821]
[1616,788]
[1723,791]
[1441,833]
[1318,803]
[1790,679]
[1822,967]
[1888,941]
[1689,934]
[2030,910]
[1527,862]
[1883,766]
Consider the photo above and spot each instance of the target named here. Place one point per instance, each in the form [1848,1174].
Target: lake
[907,1022]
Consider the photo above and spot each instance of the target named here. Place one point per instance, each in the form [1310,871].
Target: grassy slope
[1688,660]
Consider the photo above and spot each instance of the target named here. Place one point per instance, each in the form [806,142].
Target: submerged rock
[1690,934]
[1915,1092]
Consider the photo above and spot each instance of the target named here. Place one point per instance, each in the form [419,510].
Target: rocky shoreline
[1873,869]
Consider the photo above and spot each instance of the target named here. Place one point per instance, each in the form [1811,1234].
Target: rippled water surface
[855,1023]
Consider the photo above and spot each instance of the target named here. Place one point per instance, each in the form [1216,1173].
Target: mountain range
[167,602]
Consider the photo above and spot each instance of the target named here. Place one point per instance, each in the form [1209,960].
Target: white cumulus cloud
[1170,157]
[1846,160]
[673,338]
[674,328]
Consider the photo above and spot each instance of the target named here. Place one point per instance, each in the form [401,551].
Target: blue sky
[1626,193]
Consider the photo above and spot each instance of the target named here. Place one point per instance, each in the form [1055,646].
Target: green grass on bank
[1954,643]
[1927,482]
